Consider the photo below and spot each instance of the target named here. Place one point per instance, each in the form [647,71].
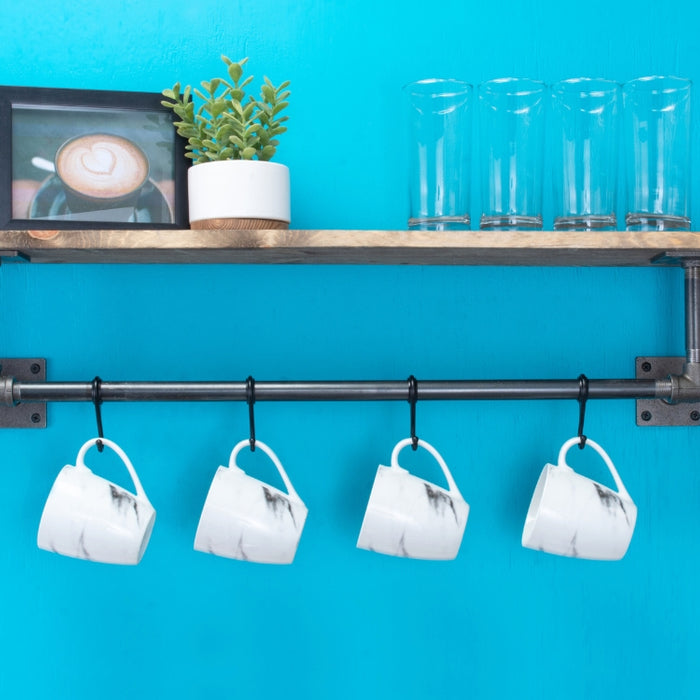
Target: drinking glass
[657,153]
[440,154]
[585,138]
[512,140]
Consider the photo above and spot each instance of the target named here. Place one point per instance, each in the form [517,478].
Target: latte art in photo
[102,166]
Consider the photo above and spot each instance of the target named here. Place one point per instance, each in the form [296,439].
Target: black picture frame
[115,133]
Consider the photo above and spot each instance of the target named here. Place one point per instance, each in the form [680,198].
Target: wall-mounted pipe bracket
[21,415]
[683,405]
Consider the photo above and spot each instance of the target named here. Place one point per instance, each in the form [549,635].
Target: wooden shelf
[535,248]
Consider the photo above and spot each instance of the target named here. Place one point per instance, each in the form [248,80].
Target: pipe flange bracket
[12,413]
[682,407]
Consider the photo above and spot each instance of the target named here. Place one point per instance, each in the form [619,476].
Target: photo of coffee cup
[89,517]
[101,171]
[407,516]
[574,516]
[247,519]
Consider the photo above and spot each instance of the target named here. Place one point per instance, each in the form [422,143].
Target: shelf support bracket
[682,373]
[19,415]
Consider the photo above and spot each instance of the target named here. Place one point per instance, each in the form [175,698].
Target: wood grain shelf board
[366,247]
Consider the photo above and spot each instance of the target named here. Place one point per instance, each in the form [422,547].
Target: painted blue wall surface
[498,622]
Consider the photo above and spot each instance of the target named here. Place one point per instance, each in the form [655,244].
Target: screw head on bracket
[35,368]
[646,366]
[36,418]
[695,415]
[646,415]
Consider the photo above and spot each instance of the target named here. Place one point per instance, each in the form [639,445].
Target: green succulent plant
[229,124]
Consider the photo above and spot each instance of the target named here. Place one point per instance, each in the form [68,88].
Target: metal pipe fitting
[685,388]
[692,311]
[7,391]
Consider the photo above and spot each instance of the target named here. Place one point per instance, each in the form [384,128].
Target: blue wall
[499,621]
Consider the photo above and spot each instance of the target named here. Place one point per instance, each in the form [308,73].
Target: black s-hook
[582,398]
[413,399]
[97,401]
[250,398]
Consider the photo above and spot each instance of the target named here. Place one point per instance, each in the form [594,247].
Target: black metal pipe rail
[445,390]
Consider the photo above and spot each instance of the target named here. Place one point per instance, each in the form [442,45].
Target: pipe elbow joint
[685,388]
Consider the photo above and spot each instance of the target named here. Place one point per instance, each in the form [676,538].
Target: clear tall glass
[585,136]
[657,153]
[440,154]
[512,112]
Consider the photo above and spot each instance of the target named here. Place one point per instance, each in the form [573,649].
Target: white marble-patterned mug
[89,517]
[407,516]
[245,518]
[574,516]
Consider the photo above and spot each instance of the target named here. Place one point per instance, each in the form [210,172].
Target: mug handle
[561,461]
[268,451]
[80,462]
[427,446]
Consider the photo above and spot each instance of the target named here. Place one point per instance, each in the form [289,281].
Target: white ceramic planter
[239,194]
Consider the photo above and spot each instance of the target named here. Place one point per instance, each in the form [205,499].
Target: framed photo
[88,159]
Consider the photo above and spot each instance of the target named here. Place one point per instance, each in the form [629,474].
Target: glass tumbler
[440,154]
[585,136]
[657,153]
[511,112]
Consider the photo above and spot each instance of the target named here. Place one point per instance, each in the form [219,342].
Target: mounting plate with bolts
[24,415]
[656,411]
